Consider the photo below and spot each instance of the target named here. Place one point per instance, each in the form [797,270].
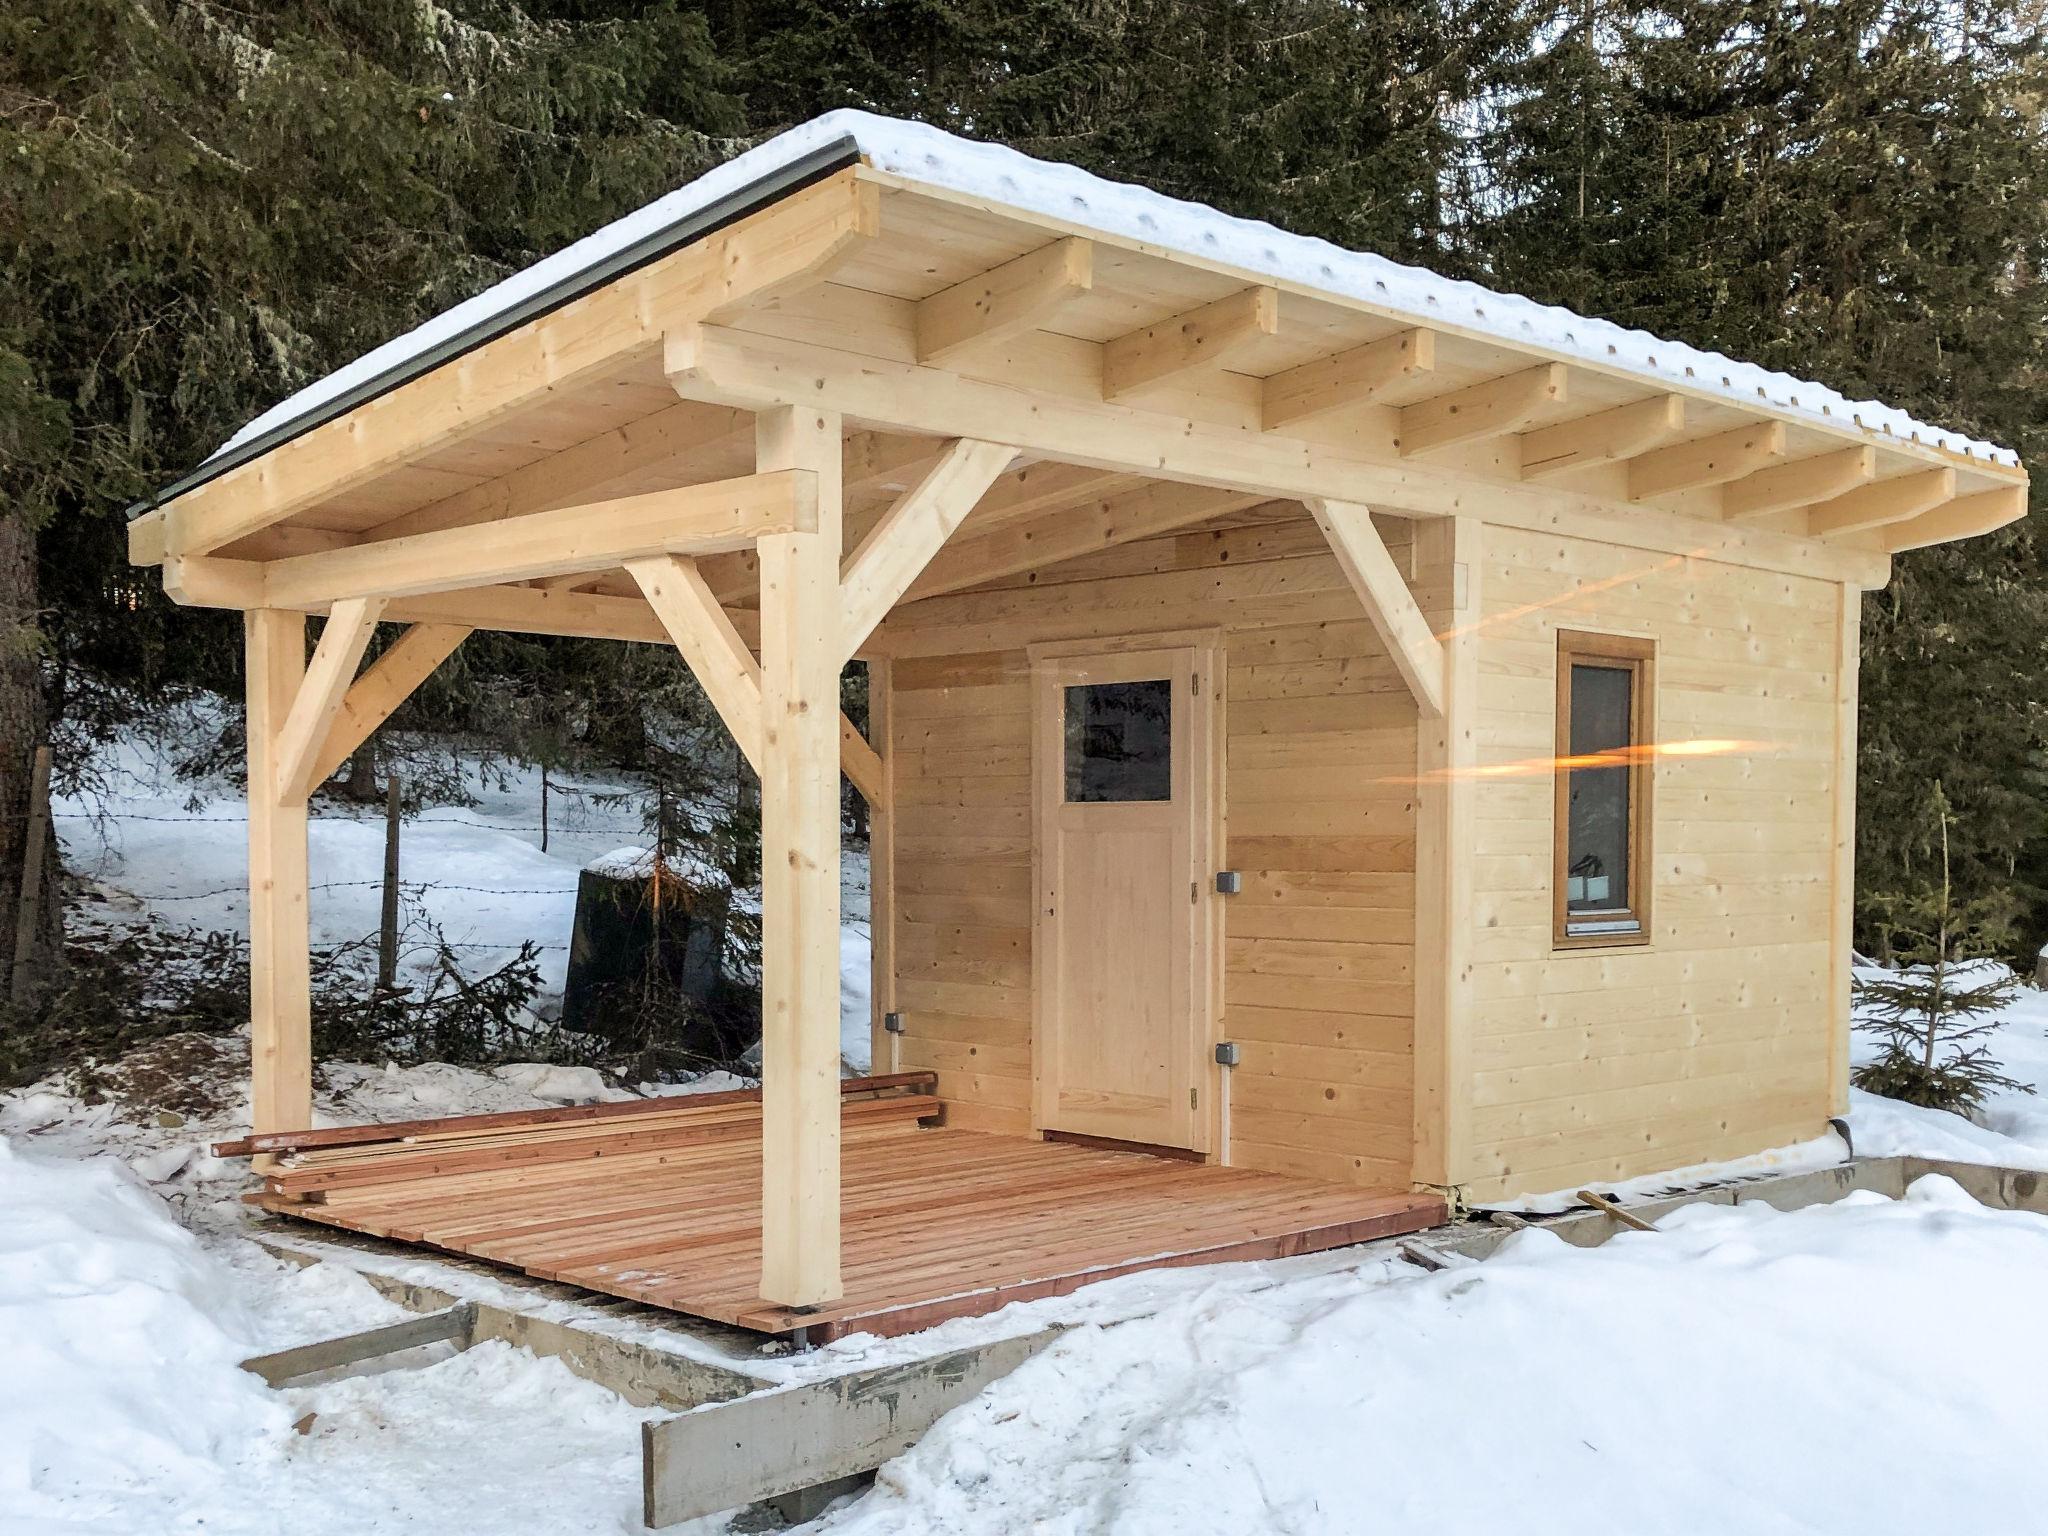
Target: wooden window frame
[1639,656]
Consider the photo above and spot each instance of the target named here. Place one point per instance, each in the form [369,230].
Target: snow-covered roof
[920,153]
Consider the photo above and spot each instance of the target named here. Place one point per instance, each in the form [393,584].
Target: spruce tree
[1933,1016]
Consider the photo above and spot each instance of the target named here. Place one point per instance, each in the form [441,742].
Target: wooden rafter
[1882,503]
[903,542]
[695,519]
[1800,483]
[1066,534]
[1963,518]
[992,307]
[677,436]
[1491,409]
[319,698]
[1199,339]
[795,241]
[1621,432]
[1417,653]
[1345,380]
[1706,460]
[387,683]
[729,367]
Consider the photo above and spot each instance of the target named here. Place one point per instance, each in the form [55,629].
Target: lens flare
[1619,757]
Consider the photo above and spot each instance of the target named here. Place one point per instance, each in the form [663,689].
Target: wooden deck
[660,1203]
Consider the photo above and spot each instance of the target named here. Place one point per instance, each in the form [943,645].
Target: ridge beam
[1489,409]
[1005,301]
[1798,484]
[1619,433]
[1882,503]
[1706,460]
[1345,379]
[1190,342]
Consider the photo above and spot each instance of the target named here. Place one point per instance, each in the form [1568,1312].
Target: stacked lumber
[312,1167]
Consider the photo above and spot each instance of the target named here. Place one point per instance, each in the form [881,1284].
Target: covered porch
[660,1203]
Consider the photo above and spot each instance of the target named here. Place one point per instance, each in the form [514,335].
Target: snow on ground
[127,1412]
[177,849]
[1740,1370]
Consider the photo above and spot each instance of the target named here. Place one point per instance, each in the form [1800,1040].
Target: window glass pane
[1120,741]
[1596,833]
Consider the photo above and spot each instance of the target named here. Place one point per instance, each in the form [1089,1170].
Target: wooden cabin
[1342,741]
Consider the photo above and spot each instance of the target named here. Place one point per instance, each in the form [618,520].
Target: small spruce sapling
[1932,1015]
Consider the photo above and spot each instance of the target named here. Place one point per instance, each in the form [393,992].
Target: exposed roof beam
[795,241]
[1489,409]
[1068,533]
[1707,460]
[1798,484]
[1882,503]
[1964,518]
[1620,432]
[1346,379]
[1187,343]
[1006,301]
[594,467]
[725,514]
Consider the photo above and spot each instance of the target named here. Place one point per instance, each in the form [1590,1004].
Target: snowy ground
[175,849]
[1865,1367]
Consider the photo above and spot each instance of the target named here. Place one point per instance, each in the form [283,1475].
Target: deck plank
[938,1222]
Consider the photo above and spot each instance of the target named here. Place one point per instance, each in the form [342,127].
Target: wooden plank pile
[314,1166]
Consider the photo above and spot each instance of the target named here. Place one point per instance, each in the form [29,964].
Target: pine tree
[1933,1015]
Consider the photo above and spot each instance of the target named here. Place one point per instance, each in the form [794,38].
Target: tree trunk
[22,729]
[362,787]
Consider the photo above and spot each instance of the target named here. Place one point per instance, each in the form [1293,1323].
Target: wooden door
[1124,788]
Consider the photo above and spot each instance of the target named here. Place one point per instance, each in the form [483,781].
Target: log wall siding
[1319,815]
[1713,1039]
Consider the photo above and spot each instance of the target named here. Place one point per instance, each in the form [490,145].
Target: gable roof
[1004,178]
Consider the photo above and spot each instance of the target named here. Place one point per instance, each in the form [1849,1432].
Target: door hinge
[1191,1097]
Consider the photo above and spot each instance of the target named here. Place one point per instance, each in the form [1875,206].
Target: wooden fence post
[387,929]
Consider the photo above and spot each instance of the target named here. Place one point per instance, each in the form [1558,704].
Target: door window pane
[1597,820]
[1119,741]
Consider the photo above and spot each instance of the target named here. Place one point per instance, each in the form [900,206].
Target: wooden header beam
[695,519]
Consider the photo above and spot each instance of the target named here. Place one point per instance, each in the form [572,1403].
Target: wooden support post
[800,664]
[1448,556]
[885,1049]
[387,927]
[280,983]
[34,853]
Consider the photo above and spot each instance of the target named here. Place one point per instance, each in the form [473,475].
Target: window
[1119,741]
[1604,730]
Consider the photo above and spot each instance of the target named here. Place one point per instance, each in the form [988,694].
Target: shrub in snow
[1932,1016]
